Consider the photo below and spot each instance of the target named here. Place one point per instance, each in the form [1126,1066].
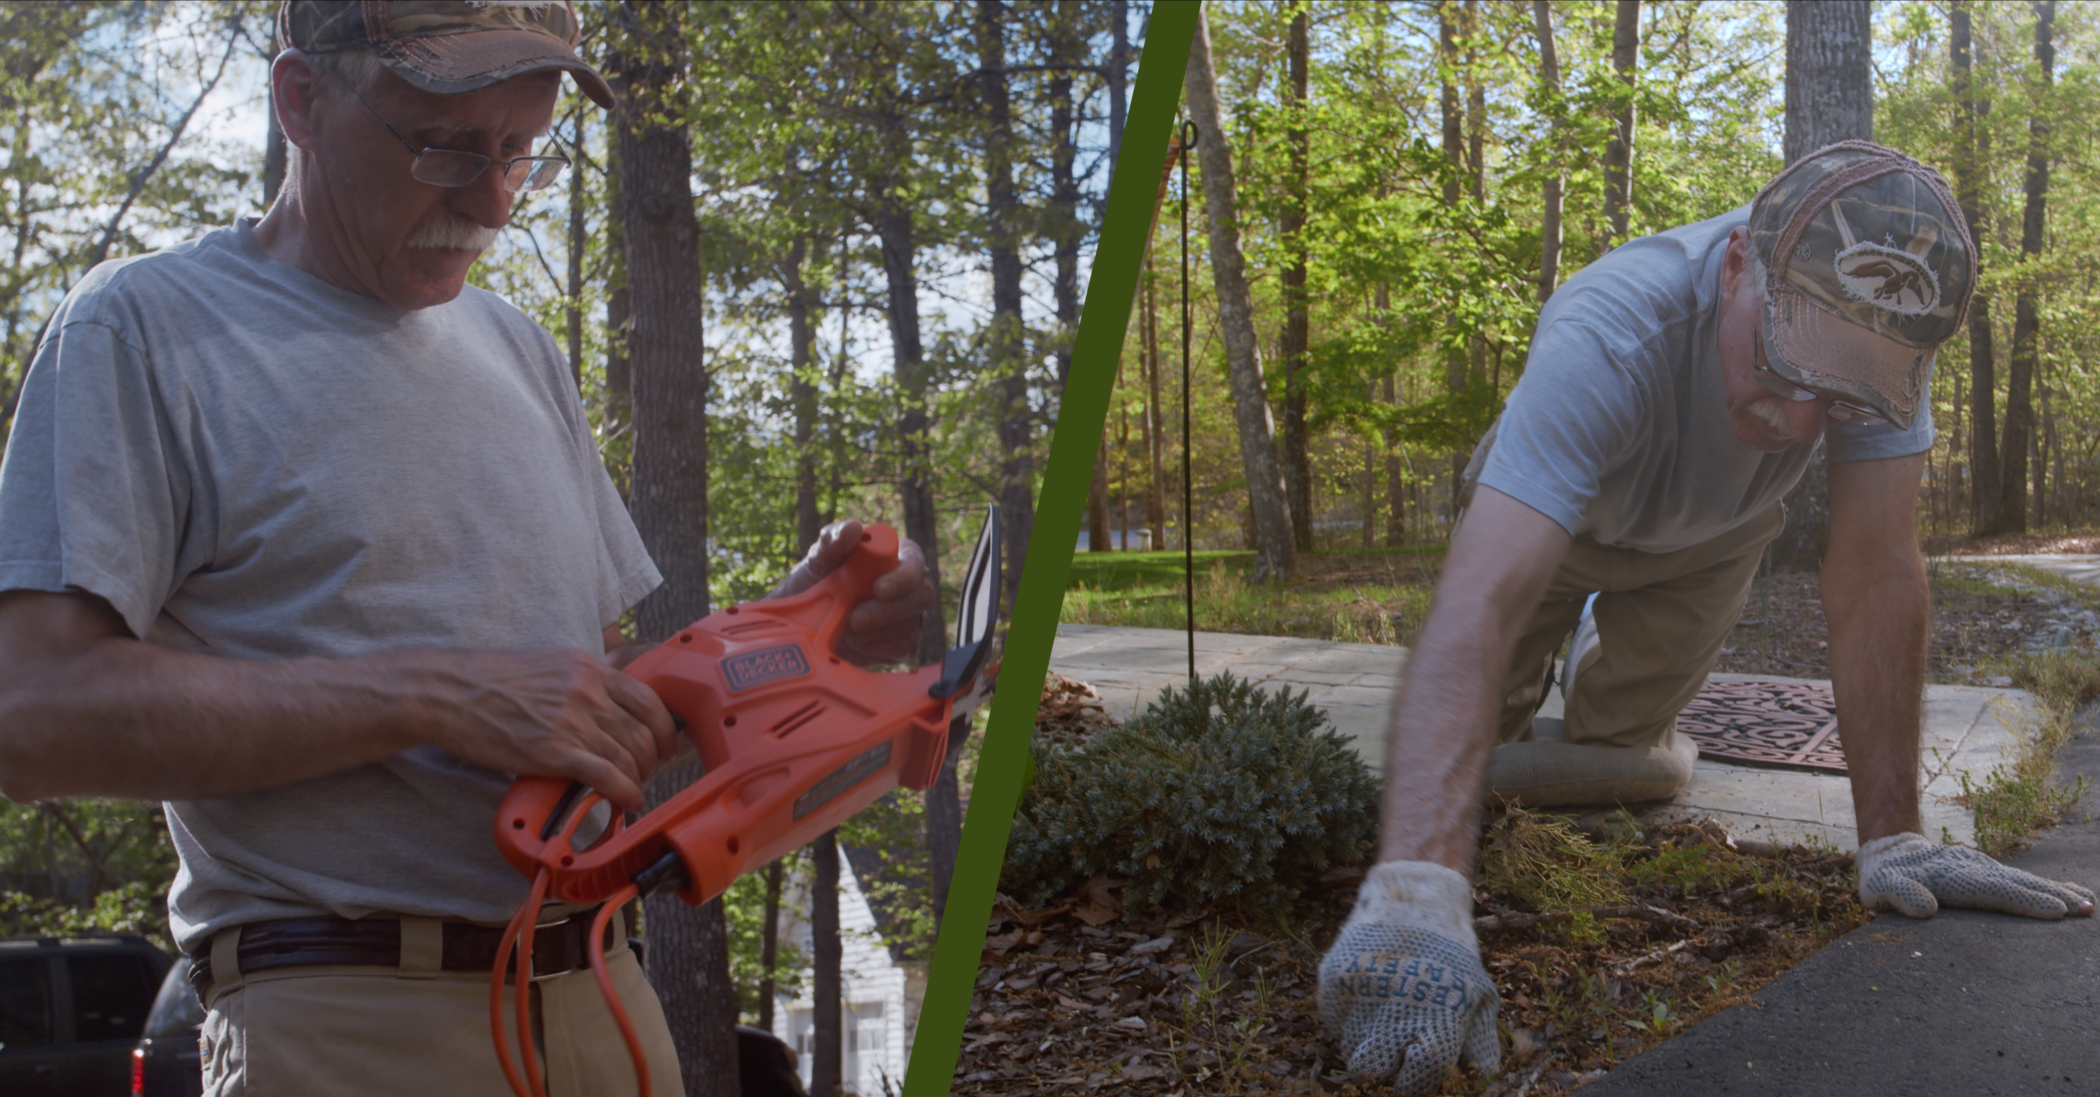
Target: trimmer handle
[793,738]
[825,606]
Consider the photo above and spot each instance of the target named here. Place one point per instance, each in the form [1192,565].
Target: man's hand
[1914,876]
[553,714]
[885,628]
[1402,987]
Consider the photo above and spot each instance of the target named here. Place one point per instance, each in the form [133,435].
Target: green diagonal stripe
[1000,769]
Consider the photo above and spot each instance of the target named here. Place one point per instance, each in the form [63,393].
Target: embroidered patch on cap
[1888,278]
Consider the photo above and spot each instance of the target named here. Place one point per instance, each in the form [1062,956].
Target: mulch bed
[1083,997]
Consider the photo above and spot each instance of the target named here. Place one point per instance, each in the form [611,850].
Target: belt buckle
[537,927]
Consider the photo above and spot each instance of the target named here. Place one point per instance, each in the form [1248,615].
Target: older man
[1674,392]
[307,538]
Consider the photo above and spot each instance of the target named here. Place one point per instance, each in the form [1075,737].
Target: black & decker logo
[756,668]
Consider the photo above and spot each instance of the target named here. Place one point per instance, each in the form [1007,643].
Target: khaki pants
[417,1031]
[1662,618]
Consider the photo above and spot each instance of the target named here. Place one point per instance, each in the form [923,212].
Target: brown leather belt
[376,942]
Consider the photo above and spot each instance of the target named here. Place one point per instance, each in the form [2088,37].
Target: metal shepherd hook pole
[1188,511]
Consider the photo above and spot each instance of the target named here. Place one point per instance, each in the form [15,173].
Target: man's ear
[1737,259]
[292,89]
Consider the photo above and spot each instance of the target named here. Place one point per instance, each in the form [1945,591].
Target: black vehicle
[167,1062]
[71,1010]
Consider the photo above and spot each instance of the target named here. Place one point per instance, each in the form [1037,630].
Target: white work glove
[1913,875]
[1402,987]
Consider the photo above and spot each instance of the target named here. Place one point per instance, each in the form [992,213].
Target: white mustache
[453,234]
[1767,410]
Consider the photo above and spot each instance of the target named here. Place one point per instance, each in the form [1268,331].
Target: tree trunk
[1448,15]
[1454,132]
[802,391]
[1395,483]
[572,308]
[1098,538]
[1117,75]
[2019,380]
[894,228]
[769,947]
[1368,505]
[1476,106]
[1064,201]
[1971,152]
[1297,467]
[1007,338]
[1829,98]
[827,1046]
[1476,167]
[688,953]
[1067,53]
[1155,417]
[1275,554]
[1618,155]
[1829,74]
[1549,224]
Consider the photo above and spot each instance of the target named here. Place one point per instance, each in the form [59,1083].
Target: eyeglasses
[458,167]
[1842,410]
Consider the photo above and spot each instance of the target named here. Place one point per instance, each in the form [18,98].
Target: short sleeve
[92,489]
[626,574]
[1865,442]
[1570,420]
[629,572]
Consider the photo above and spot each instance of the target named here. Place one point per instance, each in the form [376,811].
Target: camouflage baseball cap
[1868,269]
[447,46]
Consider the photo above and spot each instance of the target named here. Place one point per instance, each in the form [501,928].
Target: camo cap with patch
[1868,269]
[447,46]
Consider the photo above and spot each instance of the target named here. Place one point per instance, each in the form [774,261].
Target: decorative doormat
[1789,725]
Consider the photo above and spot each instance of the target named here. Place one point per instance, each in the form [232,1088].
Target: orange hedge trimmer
[794,740]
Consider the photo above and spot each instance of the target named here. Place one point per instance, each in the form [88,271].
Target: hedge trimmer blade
[975,613]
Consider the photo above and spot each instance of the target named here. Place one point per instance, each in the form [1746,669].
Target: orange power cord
[518,936]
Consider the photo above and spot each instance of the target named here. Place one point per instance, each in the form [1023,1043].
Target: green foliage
[1421,299]
[1222,792]
[744,908]
[73,865]
[2023,794]
[899,890]
[1691,866]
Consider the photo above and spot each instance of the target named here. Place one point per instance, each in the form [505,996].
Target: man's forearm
[1878,627]
[1443,720]
[86,710]
[143,722]
[1879,607]
[1441,734]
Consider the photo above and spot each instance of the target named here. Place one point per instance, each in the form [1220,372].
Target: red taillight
[138,1072]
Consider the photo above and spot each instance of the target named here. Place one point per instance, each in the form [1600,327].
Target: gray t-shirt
[1619,428]
[247,461]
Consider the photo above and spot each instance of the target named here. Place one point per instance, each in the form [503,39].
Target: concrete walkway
[1354,684]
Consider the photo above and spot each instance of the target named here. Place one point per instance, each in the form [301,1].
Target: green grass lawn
[1366,596]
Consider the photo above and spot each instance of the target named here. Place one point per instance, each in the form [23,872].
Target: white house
[880,996]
